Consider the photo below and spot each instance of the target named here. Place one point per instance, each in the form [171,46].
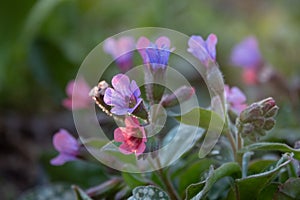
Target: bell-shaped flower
[235,98]
[155,57]
[203,50]
[132,137]
[124,97]
[78,97]
[66,145]
[157,53]
[121,50]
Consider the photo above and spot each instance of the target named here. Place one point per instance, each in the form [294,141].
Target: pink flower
[205,51]
[121,51]
[133,137]
[66,145]
[235,98]
[78,97]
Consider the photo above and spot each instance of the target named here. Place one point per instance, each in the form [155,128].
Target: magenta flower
[125,97]
[246,54]
[121,51]
[78,98]
[157,55]
[66,145]
[205,51]
[132,137]
[235,98]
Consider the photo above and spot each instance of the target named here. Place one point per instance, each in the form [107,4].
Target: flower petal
[62,159]
[211,43]
[110,47]
[64,142]
[163,42]
[246,54]
[141,46]
[121,84]
[118,135]
[135,89]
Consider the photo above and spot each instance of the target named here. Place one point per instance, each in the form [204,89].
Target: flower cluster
[258,118]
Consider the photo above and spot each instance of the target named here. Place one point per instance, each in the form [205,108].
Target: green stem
[169,186]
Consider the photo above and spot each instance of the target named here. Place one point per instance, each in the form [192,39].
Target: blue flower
[124,97]
[158,57]
[205,51]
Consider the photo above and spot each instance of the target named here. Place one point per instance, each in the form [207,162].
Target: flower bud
[257,118]
[269,124]
[180,95]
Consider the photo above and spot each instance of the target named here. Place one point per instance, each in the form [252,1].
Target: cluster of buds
[257,118]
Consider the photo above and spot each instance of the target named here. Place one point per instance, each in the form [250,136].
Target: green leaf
[193,173]
[259,166]
[133,179]
[251,186]
[289,190]
[203,118]
[80,194]
[200,190]
[179,140]
[148,192]
[269,146]
[268,192]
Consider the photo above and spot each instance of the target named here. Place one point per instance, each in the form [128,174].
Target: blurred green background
[44,42]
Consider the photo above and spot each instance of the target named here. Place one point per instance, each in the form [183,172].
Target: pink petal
[132,122]
[163,42]
[249,76]
[125,149]
[63,141]
[118,135]
[141,46]
[125,45]
[141,149]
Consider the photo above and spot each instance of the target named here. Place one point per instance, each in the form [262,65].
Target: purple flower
[120,50]
[235,98]
[125,97]
[246,54]
[78,98]
[157,55]
[66,145]
[205,51]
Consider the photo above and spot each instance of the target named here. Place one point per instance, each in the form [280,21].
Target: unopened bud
[180,95]
[257,118]
[267,104]
[251,113]
[269,124]
[272,112]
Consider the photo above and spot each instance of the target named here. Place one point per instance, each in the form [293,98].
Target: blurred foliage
[44,42]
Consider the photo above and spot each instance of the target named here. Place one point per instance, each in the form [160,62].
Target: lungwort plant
[214,152]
